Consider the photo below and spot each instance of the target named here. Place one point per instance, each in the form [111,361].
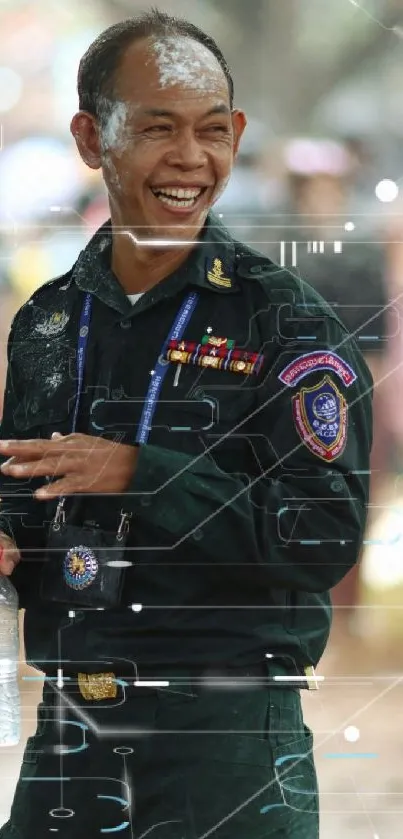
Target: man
[224,418]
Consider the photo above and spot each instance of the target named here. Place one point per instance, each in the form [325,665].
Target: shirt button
[117,393]
[255,269]
[336,486]
[125,324]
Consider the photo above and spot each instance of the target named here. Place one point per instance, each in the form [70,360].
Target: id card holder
[85,565]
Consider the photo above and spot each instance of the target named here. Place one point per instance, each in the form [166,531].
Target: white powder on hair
[182,61]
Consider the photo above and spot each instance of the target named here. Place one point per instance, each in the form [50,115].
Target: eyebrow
[162,112]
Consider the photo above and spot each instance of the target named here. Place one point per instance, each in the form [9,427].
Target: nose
[187,152]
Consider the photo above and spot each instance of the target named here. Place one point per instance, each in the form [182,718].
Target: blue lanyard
[83,333]
[154,389]
[157,378]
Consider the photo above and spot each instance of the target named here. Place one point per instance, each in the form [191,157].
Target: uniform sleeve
[302,512]
[21,515]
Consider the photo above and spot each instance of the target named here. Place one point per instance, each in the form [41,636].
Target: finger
[9,559]
[13,461]
[38,447]
[11,554]
[6,566]
[20,447]
[45,466]
[10,461]
[7,542]
[56,489]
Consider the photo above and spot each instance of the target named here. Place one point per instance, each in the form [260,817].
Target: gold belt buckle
[97,686]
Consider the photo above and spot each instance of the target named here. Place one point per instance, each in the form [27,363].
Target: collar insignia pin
[215,276]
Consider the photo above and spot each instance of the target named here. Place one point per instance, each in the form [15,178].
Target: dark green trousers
[187,761]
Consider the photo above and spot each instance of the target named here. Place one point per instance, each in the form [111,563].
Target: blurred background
[317,187]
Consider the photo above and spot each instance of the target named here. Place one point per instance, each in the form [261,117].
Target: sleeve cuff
[156,469]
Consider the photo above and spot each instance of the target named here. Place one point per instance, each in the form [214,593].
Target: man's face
[168,147]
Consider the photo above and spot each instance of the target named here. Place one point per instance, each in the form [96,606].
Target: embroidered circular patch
[80,567]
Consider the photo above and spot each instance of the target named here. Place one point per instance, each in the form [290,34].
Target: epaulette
[61,279]
[251,265]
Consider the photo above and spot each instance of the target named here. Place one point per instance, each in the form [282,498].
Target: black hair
[100,64]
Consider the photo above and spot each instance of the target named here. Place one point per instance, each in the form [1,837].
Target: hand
[87,464]
[9,555]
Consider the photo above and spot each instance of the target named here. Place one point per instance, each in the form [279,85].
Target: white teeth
[179,192]
[171,202]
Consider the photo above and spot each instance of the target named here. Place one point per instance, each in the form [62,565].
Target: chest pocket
[43,373]
[205,400]
[209,411]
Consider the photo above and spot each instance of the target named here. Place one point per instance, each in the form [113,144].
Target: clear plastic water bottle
[10,712]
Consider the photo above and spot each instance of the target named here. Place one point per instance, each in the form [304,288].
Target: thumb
[56,434]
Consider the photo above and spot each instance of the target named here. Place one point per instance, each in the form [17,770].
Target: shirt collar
[210,265]
[92,272]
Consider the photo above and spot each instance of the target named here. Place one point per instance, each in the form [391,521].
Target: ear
[84,129]
[239,123]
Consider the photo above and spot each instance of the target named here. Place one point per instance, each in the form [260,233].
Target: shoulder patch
[311,362]
[320,416]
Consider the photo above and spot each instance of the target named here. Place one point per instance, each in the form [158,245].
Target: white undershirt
[135,297]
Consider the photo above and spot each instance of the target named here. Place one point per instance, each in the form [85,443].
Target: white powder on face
[113,138]
[112,174]
[113,133]
[184,62]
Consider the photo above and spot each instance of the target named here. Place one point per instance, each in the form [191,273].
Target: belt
[104,685]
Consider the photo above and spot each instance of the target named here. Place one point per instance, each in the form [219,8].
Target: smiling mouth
[179,197]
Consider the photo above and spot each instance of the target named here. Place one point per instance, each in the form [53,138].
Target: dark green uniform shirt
[249,499]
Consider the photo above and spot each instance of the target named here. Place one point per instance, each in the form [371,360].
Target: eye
[157,129]
[217,129]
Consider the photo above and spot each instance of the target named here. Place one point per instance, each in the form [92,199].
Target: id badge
[85,565]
